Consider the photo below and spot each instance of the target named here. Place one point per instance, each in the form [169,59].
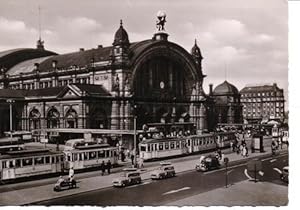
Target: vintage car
[284,176]
[165,170]
[64,184]
[130,176]
[207,163]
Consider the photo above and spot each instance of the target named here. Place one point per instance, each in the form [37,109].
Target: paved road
[165,191]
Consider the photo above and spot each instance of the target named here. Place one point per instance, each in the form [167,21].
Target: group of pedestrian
[104,167]
[240,148]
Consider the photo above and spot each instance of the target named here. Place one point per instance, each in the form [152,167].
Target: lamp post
[134,136]
[10,101]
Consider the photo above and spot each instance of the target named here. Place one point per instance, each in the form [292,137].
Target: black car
[64,184]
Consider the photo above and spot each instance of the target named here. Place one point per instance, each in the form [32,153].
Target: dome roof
[121,36]
[226,89]
[196,51]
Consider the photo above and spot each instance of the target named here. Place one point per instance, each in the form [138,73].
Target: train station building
[154,80]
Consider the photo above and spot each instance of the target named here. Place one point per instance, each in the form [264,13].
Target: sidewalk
[243,193]
[45,192]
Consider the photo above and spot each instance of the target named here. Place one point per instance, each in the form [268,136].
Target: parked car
[64,184]
[165,170]
[284,176]
[130,176]
[207,163]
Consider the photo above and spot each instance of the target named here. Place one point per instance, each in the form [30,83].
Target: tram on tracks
[80,154]
[29,162]
[162,147]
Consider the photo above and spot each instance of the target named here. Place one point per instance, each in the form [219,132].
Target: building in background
[227,107]
[262,103]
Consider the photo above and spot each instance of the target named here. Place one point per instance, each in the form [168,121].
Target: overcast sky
[245,38]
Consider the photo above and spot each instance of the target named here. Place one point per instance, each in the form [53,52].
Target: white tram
[27,163]
[88,155]
[155,148]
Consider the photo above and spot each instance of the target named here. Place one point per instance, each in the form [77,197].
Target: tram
[80,155]
[29,162]
[162,147]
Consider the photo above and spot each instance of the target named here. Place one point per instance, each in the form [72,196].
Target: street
[182,186]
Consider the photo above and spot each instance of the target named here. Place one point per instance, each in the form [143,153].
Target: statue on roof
[160,23]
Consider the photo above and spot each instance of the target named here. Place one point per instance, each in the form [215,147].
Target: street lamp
[134,133]
[10,101]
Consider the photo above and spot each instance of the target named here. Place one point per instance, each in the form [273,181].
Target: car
[284,176]
[166,170]
[65,184]
[207,163]
[130,176]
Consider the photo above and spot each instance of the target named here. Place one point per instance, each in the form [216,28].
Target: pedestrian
[244,151]
[280,143]
[132,159]
[241,149]
[246,148]
[102,167]
[71,174]
[141,162]
[231,146]
[122,156]
[273,147]
[108,166]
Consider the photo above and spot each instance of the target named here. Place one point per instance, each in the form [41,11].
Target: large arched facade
[166,83]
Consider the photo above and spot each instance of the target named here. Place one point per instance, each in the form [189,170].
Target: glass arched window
[34,119]
[71,119]
[53,118]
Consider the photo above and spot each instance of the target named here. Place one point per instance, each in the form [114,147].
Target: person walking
[71,174]
[273,147]
[102,167]
[108,166]
[132,159]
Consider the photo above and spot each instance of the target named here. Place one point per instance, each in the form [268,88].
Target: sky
[242,41]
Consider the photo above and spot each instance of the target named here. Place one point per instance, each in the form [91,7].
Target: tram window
[53,159]
[143,148]
[149,147]
[18,163]
[107,153]
[75,156]
[200,142]
[39,160]
[11,164]
[155,147]
[85,156]
[92,155]
[160,146]
[47,159]
[3,164]
[177,145]
[172,145]
[101,154]
[80,156]
[27,162]
[152,147]
[189,142]
[166,145]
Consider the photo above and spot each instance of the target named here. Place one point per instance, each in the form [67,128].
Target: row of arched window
[53,119]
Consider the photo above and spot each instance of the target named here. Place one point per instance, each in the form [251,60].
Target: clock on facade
[162,85]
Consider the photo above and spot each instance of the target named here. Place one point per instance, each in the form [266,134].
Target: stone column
[115,113]
[122,123]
